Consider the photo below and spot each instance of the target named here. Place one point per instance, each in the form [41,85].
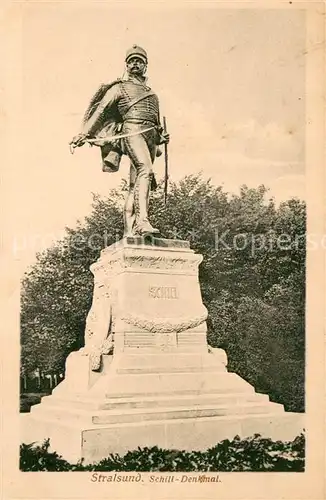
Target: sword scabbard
[166,170]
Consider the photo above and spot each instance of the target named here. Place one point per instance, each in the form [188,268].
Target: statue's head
[136,61]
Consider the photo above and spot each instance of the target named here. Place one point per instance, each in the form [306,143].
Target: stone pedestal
[162,384]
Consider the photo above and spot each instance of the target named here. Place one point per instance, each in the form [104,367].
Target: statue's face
[136,66]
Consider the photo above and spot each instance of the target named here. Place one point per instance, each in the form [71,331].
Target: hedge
[250,454]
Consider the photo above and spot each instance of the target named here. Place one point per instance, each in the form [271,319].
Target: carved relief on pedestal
[166,341]
[139,259]
[154,324]
[177,263]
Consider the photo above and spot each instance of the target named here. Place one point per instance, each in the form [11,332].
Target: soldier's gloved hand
[165,138]
[78,140]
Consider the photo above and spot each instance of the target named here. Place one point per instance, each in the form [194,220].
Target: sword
[166,171]
[101,141]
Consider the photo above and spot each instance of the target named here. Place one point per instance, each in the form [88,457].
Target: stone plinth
[146,375]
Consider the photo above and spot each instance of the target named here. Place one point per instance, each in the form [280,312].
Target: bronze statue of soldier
[123,118]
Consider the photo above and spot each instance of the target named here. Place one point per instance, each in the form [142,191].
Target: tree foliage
[252,280]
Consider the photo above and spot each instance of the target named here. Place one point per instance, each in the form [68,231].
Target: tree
[249,278]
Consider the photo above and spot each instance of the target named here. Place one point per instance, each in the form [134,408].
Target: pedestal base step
[140,385]
[171,363]
[190,400]
[74,440]
[149,414]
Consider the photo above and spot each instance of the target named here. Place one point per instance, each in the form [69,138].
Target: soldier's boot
[142,224]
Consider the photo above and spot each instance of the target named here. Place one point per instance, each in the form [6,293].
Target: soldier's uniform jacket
[118,103]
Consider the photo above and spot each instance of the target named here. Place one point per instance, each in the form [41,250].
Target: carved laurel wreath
[165,324]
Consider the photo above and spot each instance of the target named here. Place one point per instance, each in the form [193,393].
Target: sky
[231,83]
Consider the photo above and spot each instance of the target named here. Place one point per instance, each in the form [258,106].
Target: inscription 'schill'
[163,292]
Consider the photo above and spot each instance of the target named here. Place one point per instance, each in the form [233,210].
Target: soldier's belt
[110,138]
[101,141]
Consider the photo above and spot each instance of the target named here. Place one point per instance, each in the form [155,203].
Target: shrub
[250,454]
[38,458]
[30,399]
